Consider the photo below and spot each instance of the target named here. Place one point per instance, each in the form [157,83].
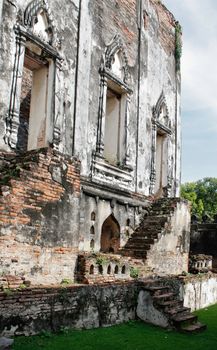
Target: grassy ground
[130,336]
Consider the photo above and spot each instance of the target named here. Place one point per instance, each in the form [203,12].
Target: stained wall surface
[89,49]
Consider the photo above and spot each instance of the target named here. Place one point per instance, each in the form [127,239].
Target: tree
[203,196]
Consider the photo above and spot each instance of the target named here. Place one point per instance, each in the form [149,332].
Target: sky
[198,19]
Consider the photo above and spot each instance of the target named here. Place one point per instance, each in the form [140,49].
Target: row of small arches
[109,270]
[201,264]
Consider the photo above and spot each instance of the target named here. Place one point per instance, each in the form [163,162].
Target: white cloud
[199,85]
[199,68]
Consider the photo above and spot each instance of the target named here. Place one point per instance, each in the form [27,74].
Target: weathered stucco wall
[31,311]
[64,20]
[146,30]
[149,46]
[40,198]
[147,312]
[127,211]
[199,291]
[46,218]
[169,255]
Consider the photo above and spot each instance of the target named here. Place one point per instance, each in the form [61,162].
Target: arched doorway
[110,236]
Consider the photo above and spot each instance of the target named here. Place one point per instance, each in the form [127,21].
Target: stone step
[170,304]
[194,328]
[180,319]
[146,238]
[136,246]
[141,241]
[148,228]
[162,297]
[157,220]
[134,253]
[177,310]
[156,289]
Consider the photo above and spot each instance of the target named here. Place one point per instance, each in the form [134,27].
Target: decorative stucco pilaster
[12,120]
[102,113]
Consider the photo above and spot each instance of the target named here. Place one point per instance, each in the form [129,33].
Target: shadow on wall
[110,236]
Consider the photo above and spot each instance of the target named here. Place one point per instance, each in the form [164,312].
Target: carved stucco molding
[160,121]
[23,32]
[30,18]
[116,45]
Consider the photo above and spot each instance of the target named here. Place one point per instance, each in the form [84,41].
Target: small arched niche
[116,270]
[92,244]
[123,270]
[91,270]
[109,270]
[110,236]
[128,222]
[100,269]
[92,230]
[93,216]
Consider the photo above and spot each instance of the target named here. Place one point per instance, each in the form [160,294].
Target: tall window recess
[32,121]
[161,159]
[112,150]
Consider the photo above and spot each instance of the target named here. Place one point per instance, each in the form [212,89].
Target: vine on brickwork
[178,45]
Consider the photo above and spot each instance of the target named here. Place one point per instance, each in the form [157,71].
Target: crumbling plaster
[65,22]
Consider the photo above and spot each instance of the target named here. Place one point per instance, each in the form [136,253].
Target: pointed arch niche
[160,178]
[111,158]
[110,235]
[32,121]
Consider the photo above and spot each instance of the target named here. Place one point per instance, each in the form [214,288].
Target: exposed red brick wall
[39,215]
[166,26]
[30,185]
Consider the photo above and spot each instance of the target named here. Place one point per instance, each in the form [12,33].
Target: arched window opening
[92,244]
[110,236]
[116,270]
[91,270]
[109,270]
[128,222]
[100,269]
[92,230]
[123,270]
[30,123]
[93,216]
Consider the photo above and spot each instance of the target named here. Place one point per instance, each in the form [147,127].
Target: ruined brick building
[90,163]
[89,134]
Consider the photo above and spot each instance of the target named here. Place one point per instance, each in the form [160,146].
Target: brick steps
[150,229]
[167,302]
[194,328]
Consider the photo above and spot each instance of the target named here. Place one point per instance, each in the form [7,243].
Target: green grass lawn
[130,336]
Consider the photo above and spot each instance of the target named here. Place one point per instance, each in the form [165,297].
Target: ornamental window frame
[118,83]
[161,125]
[27,36]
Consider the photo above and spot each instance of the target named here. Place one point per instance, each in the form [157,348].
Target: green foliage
[134,272]
[178,45]
[66,281]
[22,286]
[8,174]
[8,291]
[203,196]
[101,260]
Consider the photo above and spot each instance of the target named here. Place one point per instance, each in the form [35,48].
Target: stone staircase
[166,302]
[150,229]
